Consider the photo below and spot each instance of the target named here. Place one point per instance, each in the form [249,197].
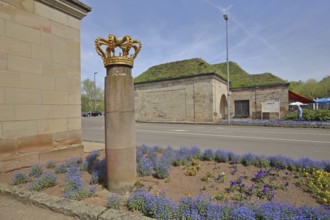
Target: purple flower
[145,167]
[208,155]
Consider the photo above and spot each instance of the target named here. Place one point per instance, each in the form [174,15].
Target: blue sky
[289,38]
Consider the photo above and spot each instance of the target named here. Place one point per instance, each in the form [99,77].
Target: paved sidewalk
[91,146]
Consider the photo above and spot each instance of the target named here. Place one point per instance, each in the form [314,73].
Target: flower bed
[278,123]
[214,184]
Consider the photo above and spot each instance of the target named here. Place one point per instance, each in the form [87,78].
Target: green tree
[311,88]
[92,98]
[324,87]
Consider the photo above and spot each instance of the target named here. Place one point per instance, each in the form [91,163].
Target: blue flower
[208,155]
[91,159]
[145,167]
[221,156]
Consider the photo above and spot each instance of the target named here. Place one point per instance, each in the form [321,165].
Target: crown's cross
[120,134]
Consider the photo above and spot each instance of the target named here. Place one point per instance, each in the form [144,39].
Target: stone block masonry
[186,99]
[39,81]
[203,98]
[257,95]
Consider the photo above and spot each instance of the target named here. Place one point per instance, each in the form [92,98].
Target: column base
[121,169]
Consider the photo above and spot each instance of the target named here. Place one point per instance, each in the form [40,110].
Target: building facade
[40,98]
[260,102]
[186,99]
[203,98]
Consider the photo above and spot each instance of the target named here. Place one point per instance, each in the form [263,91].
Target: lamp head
[225,16]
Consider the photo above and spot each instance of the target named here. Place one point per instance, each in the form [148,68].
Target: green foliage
[177,69]
[74,186]
[19,178]
[94,178]
[240,78]
[91,97]
[262,162]
[113,201]
[207,177]
[47,180]
[51,164]
[317,115]
[36,170]
[324,87]
[311,88]
[318,183]
[310,115]
[61,168]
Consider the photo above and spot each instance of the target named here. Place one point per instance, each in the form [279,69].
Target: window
[242,109]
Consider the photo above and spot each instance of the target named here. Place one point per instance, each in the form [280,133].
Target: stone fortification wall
[39,81]
[189,99]
[261,94]
[220,99]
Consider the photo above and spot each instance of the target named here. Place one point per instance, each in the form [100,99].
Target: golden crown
[126,43]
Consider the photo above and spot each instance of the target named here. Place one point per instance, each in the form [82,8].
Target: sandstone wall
[202,98]
[181,100]
[39,81]
[220,99]
[261,94]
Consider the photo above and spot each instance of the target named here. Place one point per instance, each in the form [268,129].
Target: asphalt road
[293,142]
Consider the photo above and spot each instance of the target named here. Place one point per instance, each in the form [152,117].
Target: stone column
[120,133]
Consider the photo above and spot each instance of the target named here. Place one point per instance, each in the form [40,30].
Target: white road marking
[234,136]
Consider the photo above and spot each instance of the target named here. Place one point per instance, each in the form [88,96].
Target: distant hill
[238,77]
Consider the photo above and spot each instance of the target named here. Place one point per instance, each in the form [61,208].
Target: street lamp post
[225,16]
[94,92]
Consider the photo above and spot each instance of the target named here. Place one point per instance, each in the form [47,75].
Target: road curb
[65,206]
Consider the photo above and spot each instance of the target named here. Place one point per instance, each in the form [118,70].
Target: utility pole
[225,16]
[94,92]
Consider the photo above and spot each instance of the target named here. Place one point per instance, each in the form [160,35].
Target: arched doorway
[223,106]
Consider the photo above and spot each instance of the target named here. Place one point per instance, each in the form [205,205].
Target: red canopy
[299,98]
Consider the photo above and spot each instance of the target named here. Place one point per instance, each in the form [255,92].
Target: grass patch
[238,77]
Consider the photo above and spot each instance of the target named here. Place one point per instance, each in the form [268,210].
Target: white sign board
[270,106]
